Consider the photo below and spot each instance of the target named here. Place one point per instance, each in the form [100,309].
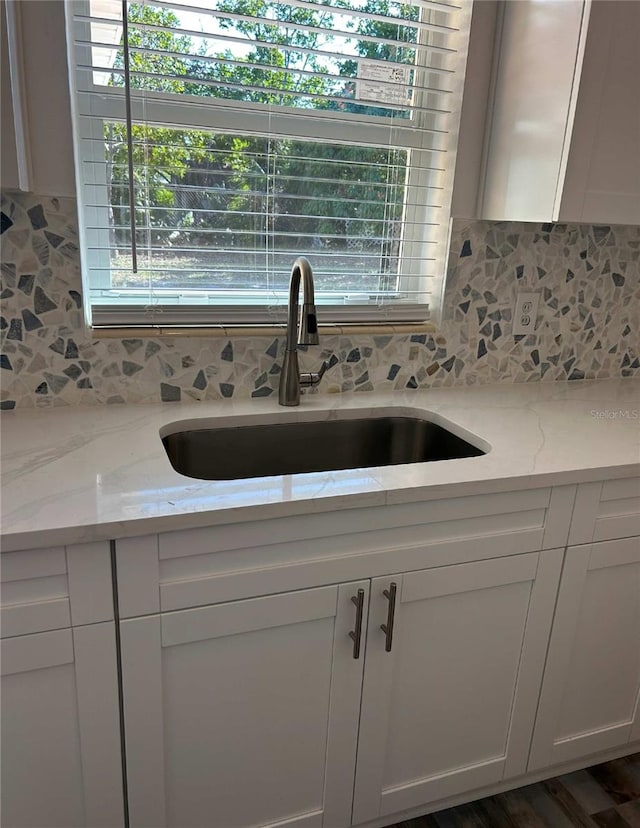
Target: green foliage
[279,68]
[389,31]
[154,71]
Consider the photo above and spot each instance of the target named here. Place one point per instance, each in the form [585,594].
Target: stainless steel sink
[312,446]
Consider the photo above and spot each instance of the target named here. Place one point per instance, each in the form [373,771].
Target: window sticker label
[383,83]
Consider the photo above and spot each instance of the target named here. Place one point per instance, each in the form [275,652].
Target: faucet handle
[310,379]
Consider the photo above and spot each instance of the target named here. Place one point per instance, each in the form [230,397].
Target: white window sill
[158,331]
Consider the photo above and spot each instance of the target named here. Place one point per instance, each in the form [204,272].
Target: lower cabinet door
[246,713]
[452,678]
[61,752]
[590,699]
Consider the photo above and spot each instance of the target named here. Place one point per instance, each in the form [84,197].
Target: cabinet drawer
[49,589]
[190,568]
[606,510]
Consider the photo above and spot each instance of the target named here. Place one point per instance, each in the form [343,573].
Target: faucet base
[289,390]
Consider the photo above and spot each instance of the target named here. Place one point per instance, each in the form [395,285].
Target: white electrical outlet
[525,313]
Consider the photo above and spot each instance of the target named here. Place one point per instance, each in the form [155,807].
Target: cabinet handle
[390,595]
[356,634]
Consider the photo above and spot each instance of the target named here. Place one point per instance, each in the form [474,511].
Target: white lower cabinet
[265,696]
[245,713]
[590,699]
[450,691]
[343,694]
[61,763]
[61,756]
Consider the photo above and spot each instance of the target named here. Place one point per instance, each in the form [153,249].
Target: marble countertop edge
[93,474]
[138,527]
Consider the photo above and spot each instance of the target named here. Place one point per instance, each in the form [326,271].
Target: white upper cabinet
[563,136]
[602,182]
[14,171]
[535,56]
[35,130]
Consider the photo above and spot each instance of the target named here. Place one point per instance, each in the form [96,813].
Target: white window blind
[217,140]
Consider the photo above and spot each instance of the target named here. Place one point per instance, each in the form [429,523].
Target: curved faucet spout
[306,321]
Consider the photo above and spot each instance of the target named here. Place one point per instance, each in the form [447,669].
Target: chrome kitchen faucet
[291,380]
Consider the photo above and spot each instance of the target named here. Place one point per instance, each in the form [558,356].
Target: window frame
[169,110]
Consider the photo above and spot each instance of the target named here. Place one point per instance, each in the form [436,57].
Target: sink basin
[311,446]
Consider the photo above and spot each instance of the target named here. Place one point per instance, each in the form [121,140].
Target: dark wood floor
[604,796]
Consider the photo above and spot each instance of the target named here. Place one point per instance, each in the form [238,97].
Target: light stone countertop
[74,475]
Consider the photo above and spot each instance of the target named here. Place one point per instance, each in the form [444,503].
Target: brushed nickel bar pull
[390,595]
[356,634]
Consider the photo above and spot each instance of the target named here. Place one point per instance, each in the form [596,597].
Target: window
[217,140]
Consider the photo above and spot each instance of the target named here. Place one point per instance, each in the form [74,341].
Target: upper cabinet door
[451,683]
[602,182]
[590,696]
[564,126]
[246,713]
[35,127]
[12,177]
[536,53]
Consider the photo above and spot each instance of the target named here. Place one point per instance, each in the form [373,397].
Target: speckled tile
[588,324]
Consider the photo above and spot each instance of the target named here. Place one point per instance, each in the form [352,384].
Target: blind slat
[352,13]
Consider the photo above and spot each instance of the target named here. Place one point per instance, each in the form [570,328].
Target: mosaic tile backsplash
[588,324]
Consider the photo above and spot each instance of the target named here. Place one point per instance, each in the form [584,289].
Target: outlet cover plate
[525,313]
